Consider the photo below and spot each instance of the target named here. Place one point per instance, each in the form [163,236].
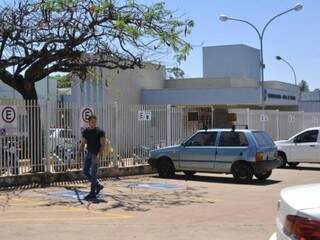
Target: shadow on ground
[124,197]
[223,180]
[301,168]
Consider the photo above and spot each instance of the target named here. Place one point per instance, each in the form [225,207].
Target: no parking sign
[85,113]
[8,119]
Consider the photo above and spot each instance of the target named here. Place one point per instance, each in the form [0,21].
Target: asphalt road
[207,206]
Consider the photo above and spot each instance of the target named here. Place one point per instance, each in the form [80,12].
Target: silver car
[241,152]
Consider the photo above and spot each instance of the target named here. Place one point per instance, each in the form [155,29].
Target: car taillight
[302,228]
[259,156]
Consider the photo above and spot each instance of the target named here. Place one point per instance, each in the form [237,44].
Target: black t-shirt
[93,139]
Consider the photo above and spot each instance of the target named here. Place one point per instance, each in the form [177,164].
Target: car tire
[166,169]
[293,164]
[282,157]
[189,173]
[263,176]
[242,172]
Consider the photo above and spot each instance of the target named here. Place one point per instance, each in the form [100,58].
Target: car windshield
[263,139]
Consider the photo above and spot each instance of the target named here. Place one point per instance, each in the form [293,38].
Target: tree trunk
[35,132]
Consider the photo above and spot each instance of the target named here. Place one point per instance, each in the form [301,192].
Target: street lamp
[225,18]
[294,72]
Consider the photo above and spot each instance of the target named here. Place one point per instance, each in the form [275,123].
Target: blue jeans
[90,170]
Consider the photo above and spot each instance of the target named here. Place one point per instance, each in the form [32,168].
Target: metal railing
[46,137]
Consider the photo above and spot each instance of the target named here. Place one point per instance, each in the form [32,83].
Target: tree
[64,81]
[41,37]
[175,72]
[38,38]
[304,86]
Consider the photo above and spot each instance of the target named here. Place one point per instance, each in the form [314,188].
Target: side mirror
[296,140]
[183,144]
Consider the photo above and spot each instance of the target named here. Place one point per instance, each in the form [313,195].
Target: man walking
[95,139]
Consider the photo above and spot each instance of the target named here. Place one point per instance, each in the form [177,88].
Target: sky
[294,36]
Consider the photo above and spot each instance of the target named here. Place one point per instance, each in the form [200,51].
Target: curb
[48,178]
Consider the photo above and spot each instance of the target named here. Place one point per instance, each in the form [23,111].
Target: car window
[202,139]
[233,139]
[308,136]
[263,139]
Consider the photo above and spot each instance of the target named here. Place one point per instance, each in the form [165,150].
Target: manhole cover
[158,186]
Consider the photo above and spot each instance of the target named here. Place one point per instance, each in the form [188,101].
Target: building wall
[44,90]
[309,106]
[310,96]
[125,86]
[196,83]
[122,86]
[236,61]
[223,96]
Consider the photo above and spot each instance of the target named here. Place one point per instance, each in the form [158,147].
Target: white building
[46,90]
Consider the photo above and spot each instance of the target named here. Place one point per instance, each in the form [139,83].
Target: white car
[302,147]
[299,213]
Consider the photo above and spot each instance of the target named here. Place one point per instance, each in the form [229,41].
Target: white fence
[280,125]
[47,137]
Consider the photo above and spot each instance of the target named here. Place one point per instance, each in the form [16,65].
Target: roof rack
[234,126]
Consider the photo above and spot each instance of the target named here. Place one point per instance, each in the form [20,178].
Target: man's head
[92,121]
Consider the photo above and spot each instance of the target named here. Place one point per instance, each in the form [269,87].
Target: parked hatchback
[241,152]
[299,213]
[302,147]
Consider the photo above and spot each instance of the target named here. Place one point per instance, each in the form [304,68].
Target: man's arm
[103,143]
[83,142]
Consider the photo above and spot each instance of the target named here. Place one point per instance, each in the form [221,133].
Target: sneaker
[99,188]
[90,196]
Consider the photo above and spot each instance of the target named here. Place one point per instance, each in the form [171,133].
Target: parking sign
[85,113]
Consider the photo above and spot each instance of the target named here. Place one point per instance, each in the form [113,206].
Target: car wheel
[293,164]
[242,172]
[263,176]
[283,159]
[189,173]
[165,169]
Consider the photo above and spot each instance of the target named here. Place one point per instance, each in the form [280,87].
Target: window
[203,139]
[233,139]
[263,139]
[309,136]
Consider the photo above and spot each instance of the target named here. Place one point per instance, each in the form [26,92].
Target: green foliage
[304,86]
[175,72]
[64,81]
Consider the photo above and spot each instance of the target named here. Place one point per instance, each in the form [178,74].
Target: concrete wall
[237,61]
[125,86]
[122,86]
[309,106]
[310,96]
[281,86]
[41,87]
[196,83]
[223,96]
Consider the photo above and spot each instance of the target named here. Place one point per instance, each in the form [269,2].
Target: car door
[198,153]
[232,147]
[305,148]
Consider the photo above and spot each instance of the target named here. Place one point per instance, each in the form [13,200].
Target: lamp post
[225,18]
[294,72]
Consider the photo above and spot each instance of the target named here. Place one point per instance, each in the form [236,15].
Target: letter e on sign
[8,116]
[85,113]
